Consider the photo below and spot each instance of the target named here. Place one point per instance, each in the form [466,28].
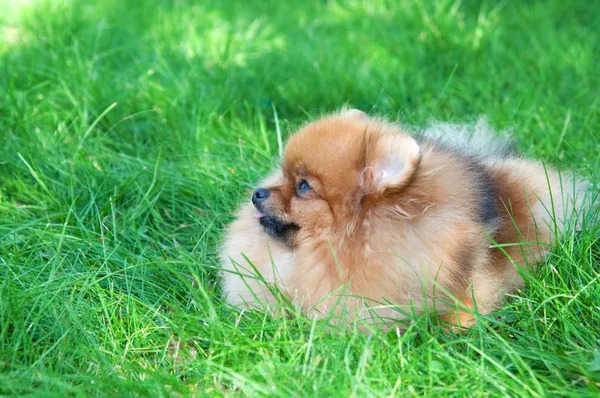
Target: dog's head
[331,170]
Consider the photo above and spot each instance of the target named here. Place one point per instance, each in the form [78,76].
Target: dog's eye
[302,187]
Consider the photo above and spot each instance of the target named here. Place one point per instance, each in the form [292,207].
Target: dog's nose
[260,195]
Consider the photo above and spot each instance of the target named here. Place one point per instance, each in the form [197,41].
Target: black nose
[260,195]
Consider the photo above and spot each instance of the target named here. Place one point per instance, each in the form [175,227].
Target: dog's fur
[439,218]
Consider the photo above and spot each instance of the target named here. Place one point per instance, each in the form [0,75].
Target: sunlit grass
[131,130]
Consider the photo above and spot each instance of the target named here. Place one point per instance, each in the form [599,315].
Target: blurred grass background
[132,129]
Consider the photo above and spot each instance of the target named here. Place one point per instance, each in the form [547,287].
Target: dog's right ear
[391,160]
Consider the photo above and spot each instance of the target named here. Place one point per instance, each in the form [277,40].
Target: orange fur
[392,219]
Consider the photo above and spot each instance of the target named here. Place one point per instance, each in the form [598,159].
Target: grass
[131,130]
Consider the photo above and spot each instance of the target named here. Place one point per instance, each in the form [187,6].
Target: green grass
[131,130]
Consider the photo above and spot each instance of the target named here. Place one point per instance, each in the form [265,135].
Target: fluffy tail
[475,139]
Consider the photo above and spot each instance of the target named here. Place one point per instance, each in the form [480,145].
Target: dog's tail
[475,139]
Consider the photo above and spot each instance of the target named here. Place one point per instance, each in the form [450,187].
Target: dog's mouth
[278,229]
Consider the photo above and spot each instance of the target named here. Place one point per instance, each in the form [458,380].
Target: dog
[365,218]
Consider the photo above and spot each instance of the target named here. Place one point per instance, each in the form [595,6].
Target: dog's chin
[278,229]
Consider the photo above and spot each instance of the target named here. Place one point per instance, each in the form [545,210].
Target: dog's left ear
[353,114]
[391,160]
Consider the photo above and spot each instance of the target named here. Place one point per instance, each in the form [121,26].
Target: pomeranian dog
[364,218]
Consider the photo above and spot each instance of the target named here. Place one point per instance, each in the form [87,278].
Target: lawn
[131,130]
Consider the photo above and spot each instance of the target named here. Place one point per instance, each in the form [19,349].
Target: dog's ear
[391,160]
[353,114]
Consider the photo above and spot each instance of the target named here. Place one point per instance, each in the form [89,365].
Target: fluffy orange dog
[365,219]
